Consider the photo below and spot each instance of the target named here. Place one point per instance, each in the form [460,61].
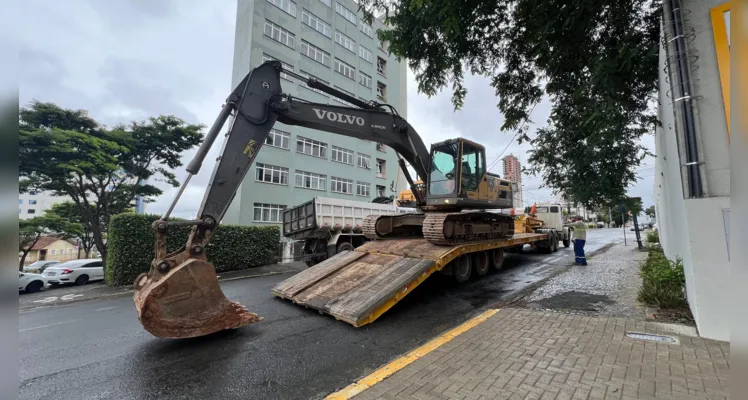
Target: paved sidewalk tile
[528,354]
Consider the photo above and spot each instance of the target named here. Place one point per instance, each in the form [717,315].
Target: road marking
[402,362]
[52,299]
[106,308]
[47,326]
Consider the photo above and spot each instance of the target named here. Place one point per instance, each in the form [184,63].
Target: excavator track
[394,225]
[466,227]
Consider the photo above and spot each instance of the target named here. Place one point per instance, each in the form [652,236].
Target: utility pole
[610,217]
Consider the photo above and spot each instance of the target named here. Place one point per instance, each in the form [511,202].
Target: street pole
[623,223]
[610,217]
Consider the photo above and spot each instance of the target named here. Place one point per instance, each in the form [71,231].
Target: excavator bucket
[187,302]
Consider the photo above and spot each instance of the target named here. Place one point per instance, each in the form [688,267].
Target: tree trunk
[23,258]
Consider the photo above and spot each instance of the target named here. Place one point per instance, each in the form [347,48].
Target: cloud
[128,60]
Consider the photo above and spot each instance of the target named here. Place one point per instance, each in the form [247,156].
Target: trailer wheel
[555,243]
[480,262]
[497,258]
[461,268]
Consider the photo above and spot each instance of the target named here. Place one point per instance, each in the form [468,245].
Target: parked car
[39,266]
[79,272]
[654,227]
[30,283]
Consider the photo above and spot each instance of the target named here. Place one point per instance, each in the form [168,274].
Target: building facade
[34,204]
[692,167]
[513,172]
[327,40]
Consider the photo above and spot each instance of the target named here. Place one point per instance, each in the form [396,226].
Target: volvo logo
[339,117]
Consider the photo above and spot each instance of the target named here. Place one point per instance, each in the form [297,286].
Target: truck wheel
[480,262]
[497,258]
[555,243]
[345,246]
[310,263]
[567,242]
[461,268]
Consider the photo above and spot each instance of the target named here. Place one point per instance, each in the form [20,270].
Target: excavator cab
[459,178]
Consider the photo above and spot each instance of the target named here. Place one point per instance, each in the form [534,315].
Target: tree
[597,62]
[634,205]
[650,211]
[68,153]
[49,224]
[69,212]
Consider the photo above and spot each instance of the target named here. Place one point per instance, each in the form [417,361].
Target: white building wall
[34,205]
[693,229]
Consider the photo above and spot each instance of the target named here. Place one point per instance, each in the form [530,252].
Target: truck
[546,218]
[454,228]
[326,226]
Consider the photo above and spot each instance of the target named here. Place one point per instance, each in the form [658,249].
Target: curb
[130,292]
[524,292]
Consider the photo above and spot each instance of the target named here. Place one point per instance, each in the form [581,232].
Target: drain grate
[651,338]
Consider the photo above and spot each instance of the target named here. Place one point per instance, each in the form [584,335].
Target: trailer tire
[555,243]
[497,259]
[481,263]
[461,268]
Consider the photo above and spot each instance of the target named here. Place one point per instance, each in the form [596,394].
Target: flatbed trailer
[359,286]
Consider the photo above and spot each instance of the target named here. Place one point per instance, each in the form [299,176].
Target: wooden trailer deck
[359,286]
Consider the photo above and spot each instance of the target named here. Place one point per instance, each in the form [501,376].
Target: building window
[311,147]
[286,5]
[364,160]
[271,174]
[279,139]
[315,90]
[286,66]
[316,23]
[268,212]
[366,29]
[362,188]
[381,168]
[381,91]
[342,155]
[310,180]
[345,41]
[31,211]
[381,66]
[340,185]
[345,69]
[280,35]
[364,80]
[327,2]
[364,53]
[380,147]
[32,201]
[341,101]
[53,252]
[20,201]
[346,13]
[315,53]
[380,191]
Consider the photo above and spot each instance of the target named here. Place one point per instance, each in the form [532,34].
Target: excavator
[179,297]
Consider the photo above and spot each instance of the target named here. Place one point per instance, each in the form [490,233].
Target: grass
[663,281]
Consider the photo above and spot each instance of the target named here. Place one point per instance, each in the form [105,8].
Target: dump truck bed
[359,286]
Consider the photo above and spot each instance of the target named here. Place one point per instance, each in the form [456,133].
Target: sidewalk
[69,294]
[567,339]
[529,354]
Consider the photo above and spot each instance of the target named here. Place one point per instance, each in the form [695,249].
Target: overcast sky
[127,60]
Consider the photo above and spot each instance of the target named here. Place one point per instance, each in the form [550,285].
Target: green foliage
[232,247]
[653,237]
[68,211]
[650,211]
[663,281]
[69,153]
[596,61]
[31,230]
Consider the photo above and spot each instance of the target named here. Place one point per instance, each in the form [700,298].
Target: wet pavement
[98,350]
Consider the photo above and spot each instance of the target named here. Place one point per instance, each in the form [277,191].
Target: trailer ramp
[359,286]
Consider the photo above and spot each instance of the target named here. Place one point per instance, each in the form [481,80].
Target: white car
[79,272]
[30,283]
[39,266]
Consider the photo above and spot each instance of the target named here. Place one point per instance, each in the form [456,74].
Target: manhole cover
[652,338]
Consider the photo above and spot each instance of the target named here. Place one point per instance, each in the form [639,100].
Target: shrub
[653,237]
[131,246]
[663,281]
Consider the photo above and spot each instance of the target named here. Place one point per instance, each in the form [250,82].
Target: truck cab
[551,216]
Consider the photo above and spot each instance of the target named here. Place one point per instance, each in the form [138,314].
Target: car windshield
[36,264]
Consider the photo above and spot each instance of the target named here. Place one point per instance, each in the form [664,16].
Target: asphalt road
[98,350]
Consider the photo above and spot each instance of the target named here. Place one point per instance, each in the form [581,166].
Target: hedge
[131,241]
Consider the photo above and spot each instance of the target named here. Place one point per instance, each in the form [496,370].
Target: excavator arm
[179,296]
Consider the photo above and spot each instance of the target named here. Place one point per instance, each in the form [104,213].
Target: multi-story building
[513,172]
[34,204]
[327,40]
[692,167]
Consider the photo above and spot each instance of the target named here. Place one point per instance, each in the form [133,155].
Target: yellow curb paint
[402,362]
